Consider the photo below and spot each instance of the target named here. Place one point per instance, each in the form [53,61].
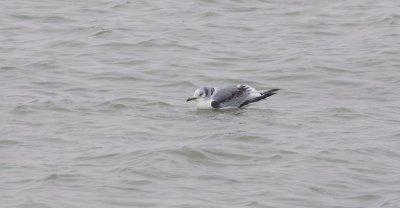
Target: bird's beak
[191,98]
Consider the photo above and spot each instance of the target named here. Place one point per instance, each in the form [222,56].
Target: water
[93,112]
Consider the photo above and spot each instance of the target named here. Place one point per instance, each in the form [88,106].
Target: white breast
[204,104]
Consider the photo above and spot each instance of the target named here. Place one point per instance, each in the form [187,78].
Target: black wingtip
[263,96]
[270,91]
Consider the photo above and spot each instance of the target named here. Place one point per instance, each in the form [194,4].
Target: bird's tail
[263,96]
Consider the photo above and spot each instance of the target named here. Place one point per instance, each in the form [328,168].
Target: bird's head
[201,93]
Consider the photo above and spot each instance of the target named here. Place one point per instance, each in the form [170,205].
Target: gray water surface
[93,112]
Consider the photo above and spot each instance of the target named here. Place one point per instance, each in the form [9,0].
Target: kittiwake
[229,96]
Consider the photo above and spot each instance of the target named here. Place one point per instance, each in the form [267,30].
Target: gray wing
[231,96]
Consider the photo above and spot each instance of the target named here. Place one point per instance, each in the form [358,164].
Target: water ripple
[93,110]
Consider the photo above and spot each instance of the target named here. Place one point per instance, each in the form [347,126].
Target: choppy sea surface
[93,112]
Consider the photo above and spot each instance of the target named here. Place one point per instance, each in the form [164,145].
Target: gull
[228,97]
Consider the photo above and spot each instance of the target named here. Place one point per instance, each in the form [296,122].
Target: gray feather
[231,96]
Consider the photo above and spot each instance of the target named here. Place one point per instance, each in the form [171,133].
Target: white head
[201,93]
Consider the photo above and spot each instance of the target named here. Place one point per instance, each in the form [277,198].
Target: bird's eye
[201,94]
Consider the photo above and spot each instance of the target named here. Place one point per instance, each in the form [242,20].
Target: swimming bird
[229,96]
